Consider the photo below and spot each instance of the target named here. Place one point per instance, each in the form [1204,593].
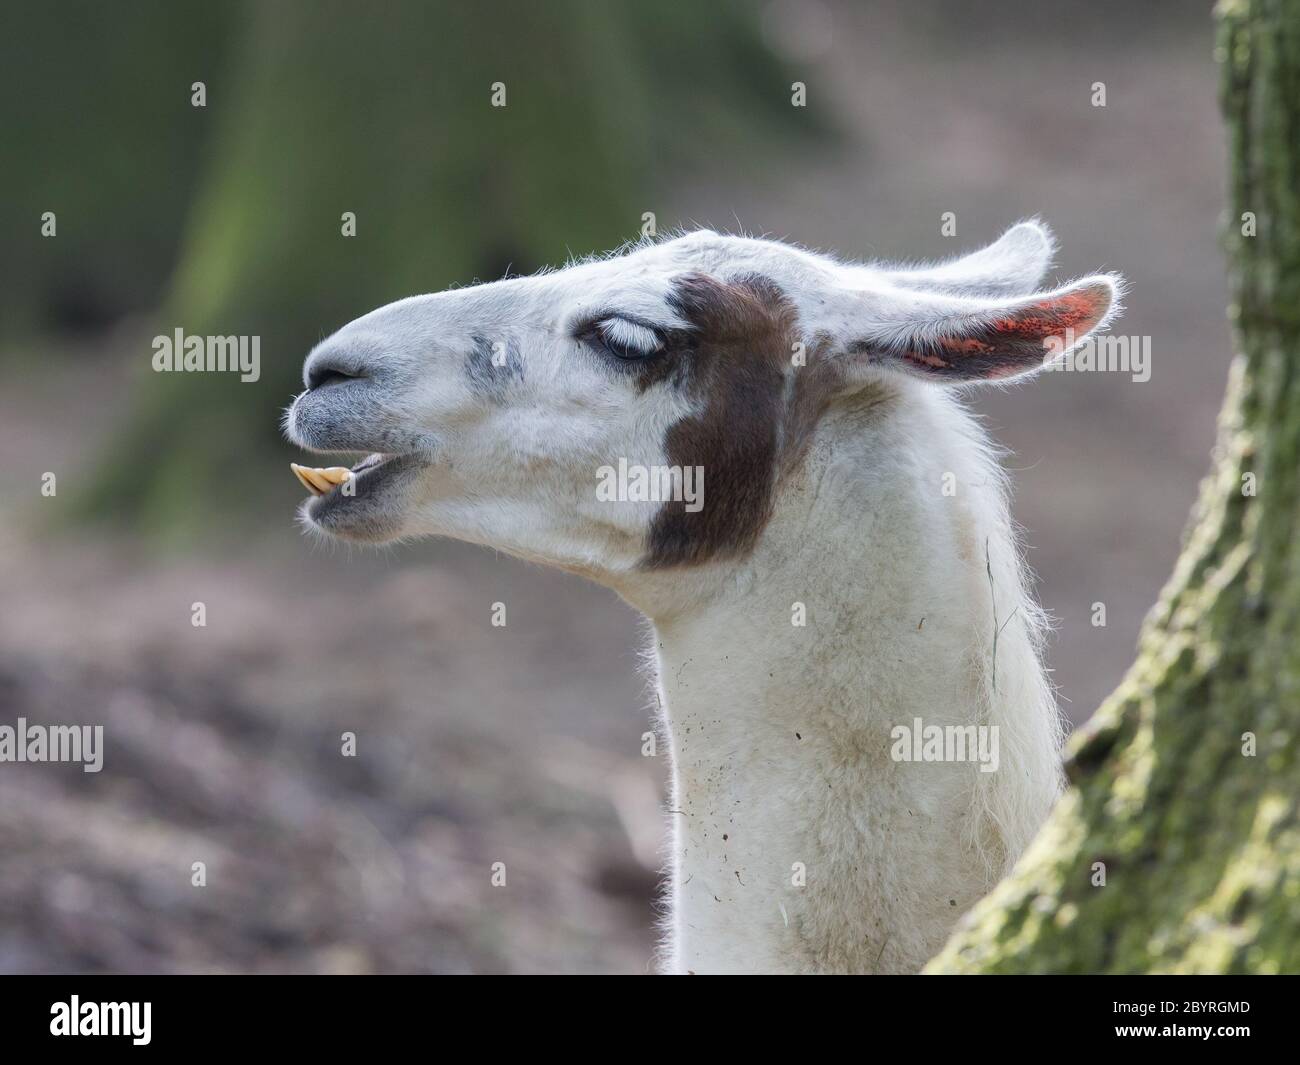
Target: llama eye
[625,339]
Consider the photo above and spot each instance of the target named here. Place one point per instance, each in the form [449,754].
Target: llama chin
[852,571]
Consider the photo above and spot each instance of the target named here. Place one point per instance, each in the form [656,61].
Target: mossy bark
[1199,838]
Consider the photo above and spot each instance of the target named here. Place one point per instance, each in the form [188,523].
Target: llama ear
[1013,265]
[952,338]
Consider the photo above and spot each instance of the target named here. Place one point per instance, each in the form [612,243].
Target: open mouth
[372,500]
[367,502]
[321,481]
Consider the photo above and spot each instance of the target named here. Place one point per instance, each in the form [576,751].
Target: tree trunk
[1185,786]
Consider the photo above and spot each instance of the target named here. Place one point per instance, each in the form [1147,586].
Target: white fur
[779,734]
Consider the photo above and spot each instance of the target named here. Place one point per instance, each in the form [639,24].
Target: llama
[845,588]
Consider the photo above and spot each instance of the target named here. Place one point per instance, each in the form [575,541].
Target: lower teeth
[319,481]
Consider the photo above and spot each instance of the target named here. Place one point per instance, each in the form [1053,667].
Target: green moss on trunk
[1200,840]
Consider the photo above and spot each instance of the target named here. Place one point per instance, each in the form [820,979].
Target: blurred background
[478,744]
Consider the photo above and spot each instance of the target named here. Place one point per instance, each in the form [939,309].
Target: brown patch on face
[757,412]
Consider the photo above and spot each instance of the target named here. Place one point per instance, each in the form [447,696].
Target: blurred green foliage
[97,127]
[315,109]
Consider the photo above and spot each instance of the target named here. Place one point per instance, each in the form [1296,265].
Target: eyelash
[600,335]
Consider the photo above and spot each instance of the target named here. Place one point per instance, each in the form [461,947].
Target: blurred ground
[522,744]
[475,745]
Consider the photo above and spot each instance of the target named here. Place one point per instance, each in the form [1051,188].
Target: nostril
[320,376]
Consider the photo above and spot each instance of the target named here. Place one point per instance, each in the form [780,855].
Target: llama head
[637,412]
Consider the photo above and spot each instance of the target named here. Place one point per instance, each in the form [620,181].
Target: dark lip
[373,476]
[376,458]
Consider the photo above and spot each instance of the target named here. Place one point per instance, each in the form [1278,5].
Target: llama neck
[799,844]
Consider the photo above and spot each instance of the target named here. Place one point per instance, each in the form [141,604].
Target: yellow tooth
[319,481]
[301,473]
[335,474]
[314,475]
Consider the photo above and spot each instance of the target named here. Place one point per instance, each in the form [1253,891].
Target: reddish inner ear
[1075,312]
[1021,339]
